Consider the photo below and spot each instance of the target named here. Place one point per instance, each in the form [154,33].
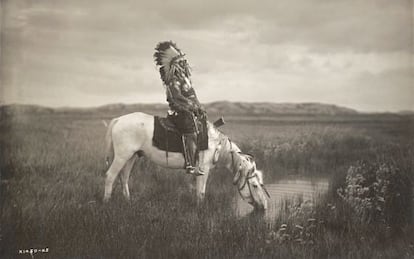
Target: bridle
[250,175]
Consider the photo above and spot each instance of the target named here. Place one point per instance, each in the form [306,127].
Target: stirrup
[190,169]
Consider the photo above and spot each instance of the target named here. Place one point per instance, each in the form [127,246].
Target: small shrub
[378,193]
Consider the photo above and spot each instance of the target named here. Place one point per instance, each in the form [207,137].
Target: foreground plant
[378,193]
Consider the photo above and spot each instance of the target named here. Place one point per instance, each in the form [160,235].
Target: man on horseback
[185,109]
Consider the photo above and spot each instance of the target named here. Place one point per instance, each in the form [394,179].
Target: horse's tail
[109,149]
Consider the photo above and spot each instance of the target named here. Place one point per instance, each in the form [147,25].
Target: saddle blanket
[166,137]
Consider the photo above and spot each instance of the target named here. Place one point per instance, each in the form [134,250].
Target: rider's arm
[178,99]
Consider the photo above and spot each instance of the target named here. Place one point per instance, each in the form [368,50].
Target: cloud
[359,26]
[285,50]
[327,26]
[320,25]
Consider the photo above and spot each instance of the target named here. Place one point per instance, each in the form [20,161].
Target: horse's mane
[217,134]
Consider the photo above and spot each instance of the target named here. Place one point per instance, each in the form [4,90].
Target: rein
[250,175]
[234,169]
[235,172]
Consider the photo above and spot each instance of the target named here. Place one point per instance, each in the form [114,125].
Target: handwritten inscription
[32,251]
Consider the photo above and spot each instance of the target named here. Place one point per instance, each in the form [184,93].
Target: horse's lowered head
[249,182]
[223,152]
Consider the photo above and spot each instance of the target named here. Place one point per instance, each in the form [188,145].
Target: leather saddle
[166,136]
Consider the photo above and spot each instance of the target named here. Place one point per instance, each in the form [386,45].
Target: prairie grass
[52,179]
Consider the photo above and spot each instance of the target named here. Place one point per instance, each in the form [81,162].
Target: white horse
[130,136]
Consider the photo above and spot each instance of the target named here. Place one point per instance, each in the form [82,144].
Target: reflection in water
[306,189]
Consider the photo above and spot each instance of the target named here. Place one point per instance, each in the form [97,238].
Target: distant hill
[214,108]
[235,108]
[405,112]
[11,109]
[243,108]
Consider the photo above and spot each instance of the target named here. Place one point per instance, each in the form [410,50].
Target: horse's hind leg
[125,176]
[111,175]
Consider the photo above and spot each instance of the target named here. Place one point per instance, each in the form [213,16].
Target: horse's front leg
[201,183]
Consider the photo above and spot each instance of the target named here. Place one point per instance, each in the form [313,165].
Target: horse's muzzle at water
[132,134]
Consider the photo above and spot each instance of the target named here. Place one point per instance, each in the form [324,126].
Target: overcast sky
[352,53]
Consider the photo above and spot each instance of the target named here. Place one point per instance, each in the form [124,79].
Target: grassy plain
[52,179]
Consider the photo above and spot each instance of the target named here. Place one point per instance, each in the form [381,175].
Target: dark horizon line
[207,103]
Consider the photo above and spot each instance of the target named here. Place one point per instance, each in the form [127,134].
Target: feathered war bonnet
[171,62]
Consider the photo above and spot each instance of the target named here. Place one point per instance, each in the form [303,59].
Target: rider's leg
[186,124]
[190,149]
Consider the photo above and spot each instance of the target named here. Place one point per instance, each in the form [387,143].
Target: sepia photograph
[206,129]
